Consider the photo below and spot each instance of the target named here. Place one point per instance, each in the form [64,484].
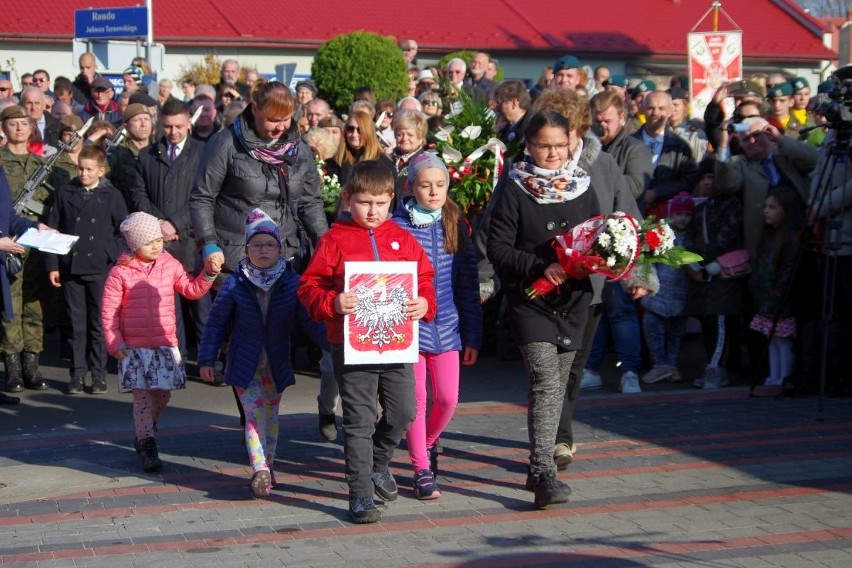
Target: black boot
[147,449]
[32,377]
[14,380]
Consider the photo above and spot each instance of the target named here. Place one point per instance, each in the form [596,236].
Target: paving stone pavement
[671,477]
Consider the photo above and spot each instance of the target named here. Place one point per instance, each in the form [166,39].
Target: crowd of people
[204,232]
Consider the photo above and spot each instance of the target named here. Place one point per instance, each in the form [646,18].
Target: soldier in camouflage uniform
[23,334]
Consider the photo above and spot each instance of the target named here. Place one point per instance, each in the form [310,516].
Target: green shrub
[353,60]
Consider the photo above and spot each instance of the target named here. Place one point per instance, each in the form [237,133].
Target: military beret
[135,72]
[134,109]
[645,86]
[616,80]
[70,122]
[800,83]
[330,122]
[781,90]
[143,98]
[12,111]
[678,93]
[566,62]
[102,83]
[744,88]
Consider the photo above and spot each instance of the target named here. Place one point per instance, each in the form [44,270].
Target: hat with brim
[745,88]
[330,122]
[101,84]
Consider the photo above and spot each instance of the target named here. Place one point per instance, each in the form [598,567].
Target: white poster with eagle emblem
[378,331]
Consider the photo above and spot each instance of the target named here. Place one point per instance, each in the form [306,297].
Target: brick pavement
[669,478]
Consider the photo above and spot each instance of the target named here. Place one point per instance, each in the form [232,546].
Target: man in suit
[164,175]
[32,99]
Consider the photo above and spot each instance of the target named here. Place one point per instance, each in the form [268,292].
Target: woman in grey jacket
[259,161]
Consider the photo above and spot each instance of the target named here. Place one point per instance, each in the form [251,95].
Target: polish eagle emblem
[381,311]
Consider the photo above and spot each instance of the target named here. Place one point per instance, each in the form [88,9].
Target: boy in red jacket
[363,235]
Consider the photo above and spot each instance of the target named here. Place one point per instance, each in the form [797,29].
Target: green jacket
[18,169]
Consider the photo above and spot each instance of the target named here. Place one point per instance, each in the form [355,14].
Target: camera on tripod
[837,106]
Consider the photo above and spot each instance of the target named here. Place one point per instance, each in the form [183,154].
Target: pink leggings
[443,371]
[148,405]
[260,401]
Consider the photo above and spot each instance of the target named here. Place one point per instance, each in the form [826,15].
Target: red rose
[653,239]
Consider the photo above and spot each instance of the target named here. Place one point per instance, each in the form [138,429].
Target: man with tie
[674,168]
[165,173]
[769,160]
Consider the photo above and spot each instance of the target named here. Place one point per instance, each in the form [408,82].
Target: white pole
[150,9]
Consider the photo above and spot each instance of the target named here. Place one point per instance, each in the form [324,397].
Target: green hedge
[353,60]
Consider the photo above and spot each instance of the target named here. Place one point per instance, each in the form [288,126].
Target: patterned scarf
[550,186]
[275,152]
[263,278]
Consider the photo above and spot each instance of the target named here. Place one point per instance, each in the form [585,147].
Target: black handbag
[14,263]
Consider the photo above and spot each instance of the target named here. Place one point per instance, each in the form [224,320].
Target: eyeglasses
[753,137]
[430,103]
[549,147]
[388,114]
[4,89]
[264,246]
[409,49]
[351,128]
[40,80]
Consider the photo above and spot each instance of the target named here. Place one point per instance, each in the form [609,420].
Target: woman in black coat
[531,206]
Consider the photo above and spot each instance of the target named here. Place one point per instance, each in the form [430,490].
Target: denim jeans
[664,336]
[622,321]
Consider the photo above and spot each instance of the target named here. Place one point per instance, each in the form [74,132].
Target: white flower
[394,245]
[472,132]
[610,261]
[604,239]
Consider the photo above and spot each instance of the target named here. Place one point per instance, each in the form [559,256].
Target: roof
[772,29]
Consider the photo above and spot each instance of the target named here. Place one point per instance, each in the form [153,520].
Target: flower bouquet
[471,150]
[613,245]
[329,188]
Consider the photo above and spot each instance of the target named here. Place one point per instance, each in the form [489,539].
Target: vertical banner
[378,331]
[715,58]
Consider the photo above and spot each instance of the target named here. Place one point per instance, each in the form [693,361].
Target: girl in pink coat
[138,313]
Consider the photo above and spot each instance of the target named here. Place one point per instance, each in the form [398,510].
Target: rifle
[116,140]
[25,200]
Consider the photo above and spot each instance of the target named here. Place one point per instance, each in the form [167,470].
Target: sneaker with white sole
[590,380]
[630,383]
[657,374]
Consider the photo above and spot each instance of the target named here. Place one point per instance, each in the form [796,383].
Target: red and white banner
[715,58]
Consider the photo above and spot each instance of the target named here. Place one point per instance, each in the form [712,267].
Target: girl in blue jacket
[256,307]
[437,224]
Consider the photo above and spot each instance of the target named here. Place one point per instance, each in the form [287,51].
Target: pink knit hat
[140,228]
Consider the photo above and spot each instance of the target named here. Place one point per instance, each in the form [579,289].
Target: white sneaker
[630,383]
[590,380]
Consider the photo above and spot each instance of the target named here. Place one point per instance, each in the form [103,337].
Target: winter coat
[161,187]
[724,221]
[833,198]
[95,219]
[231,182]
[747,180]
[676,169]
[610,186]
[138,306]
[346,241]
[237,314]
[670,301]
[12,225]
[773,275]
[458,319]
[634,159]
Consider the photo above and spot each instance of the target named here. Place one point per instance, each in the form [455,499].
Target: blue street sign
[111,23]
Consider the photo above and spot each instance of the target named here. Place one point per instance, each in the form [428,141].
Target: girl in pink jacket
[138,313]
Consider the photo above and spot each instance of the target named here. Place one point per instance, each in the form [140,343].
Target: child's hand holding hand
[55,281]
[416,308]
[121,354]
[212,265]
[345,303]
[206,374]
